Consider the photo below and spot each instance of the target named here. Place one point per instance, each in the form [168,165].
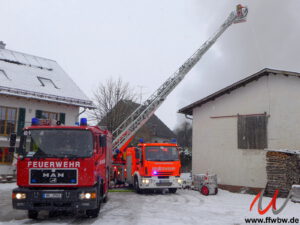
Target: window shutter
[21,120]
[252,132]
[38,114]
[62,118]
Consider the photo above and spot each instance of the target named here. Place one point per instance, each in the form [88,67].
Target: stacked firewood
[283,170]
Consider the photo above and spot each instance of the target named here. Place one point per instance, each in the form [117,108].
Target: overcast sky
[145,41]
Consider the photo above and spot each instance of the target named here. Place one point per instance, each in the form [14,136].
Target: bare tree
[184,139]
[108,97]
[184,134]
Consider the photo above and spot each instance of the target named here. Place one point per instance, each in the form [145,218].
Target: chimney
[2,45]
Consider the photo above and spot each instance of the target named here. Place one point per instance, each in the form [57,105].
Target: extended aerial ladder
[124,133]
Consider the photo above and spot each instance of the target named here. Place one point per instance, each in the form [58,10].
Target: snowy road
[185,207]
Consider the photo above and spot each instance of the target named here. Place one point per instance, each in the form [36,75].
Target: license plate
[52,195]
[164,181]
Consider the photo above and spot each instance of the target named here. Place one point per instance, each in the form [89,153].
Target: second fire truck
[153,166]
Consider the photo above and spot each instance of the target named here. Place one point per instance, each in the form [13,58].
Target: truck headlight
[87,195]
[145,181]
[179,181]
[19,196]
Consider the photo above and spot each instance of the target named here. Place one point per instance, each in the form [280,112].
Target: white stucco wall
[32,105]
[215,140]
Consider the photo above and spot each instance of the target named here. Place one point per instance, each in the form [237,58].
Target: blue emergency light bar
[174,140]
[35,121]
[83,122]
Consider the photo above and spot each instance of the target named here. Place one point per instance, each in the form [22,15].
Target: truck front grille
[163,177]
[53,176]
[164,173]
[164,184]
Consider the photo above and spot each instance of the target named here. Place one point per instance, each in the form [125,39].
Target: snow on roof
[38,78]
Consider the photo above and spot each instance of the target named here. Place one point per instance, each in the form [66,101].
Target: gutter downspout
[187,117]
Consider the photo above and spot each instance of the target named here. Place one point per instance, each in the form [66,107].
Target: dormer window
[46,82]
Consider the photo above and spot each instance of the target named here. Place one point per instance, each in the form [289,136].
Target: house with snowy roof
[32,86]
[154,130]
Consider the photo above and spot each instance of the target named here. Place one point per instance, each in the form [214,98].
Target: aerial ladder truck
[138,170]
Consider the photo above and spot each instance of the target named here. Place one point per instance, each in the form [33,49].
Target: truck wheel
[33,214]
[136,186]
[172,190]
[105,199]
[216,190]
[93,213]
[204,190]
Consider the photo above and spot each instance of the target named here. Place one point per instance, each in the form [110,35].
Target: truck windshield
[161,153]
[58,143]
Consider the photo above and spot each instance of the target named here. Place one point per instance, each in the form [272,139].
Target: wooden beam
[232,116]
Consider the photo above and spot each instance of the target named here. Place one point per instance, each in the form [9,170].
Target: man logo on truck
[53,175]
[53,180]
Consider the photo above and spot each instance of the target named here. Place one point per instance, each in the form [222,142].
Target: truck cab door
[129,169]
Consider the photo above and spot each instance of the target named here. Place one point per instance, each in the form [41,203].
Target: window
[6,157]
[8,117]
[40,114]
[162,153]
[252,132]
[46,82]
[49,115]
[46,115]
[58,143]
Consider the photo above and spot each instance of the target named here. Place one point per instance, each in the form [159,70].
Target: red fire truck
[148,166]
[153,166]
[62,168]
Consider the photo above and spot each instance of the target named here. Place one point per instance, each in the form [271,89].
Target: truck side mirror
[138,155]
[20,150]
[12,140]
[102,141]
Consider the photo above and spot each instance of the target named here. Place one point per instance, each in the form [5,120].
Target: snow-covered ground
[128,208]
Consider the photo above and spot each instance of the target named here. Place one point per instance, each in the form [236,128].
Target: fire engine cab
[153,166]
[62,168]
